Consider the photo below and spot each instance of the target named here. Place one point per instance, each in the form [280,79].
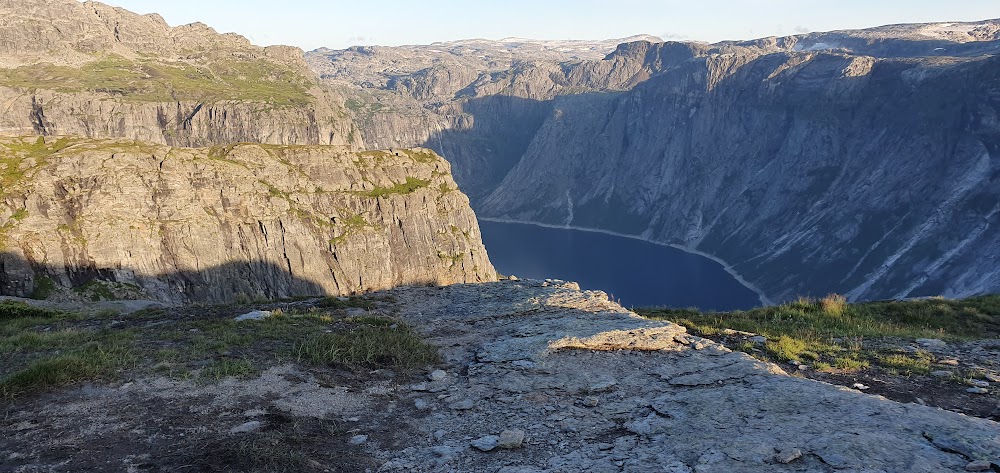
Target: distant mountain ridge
[858,162]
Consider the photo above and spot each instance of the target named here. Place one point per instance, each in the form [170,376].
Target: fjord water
[635,272]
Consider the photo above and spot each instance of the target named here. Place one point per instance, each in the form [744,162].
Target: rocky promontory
[215,224]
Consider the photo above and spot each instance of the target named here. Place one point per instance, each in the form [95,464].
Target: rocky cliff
[858,162]
[89,69]
[99,217]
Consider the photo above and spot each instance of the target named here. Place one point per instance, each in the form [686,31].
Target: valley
[219,256]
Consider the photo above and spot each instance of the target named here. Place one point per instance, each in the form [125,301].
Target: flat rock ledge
[536,377]
[598,388]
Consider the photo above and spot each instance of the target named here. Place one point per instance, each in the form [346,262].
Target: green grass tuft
[411,185]
[394,346]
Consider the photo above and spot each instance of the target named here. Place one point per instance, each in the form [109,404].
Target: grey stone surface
[704,146]
[247,221]
[254,315]
[671,407]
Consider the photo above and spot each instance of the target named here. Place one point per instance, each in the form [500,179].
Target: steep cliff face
[226,222]
[89,69]
[860,162]
[809,172]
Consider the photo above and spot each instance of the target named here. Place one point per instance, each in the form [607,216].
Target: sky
[337,24]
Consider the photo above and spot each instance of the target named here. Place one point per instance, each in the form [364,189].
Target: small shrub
[786,348]
[833,304]
[43,288]
[17,310]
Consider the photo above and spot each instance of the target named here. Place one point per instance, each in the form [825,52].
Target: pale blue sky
[310,24]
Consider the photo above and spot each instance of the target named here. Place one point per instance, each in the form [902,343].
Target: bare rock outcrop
[89,69]
[239,221]
[857,162]
[536,377]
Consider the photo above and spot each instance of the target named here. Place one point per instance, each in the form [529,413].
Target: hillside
[88,69]
[856,162]
[104,219]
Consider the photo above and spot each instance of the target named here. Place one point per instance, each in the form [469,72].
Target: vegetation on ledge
[42,349]
[159,81]
[833,335]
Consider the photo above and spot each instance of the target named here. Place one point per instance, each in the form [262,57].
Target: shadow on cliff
[487,144]
[233,281]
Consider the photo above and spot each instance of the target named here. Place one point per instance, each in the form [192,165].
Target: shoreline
[764,300]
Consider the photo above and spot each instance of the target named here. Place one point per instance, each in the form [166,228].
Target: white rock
[787,455]
[512,438]
[437,375]
[358,439]
[758,339]
[246,427]
[420,404]
[487,443]
[979,383]
[977,390]
[255,315]
[859,386]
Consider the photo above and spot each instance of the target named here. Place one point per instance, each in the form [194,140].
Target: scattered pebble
[437,375]
[803,367]
[511,439]
[591,401]
[463,405]
[758,339]
[485,444]
[977,390]
[979,383]
[787,455]
[992,377]
[246,427]
[860,387]
[358,439]
[941,373]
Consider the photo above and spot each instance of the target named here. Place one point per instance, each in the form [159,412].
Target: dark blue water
[635,272]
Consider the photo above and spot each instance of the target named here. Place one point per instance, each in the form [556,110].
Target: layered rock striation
[89,69]
[218,224]
[857,162]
